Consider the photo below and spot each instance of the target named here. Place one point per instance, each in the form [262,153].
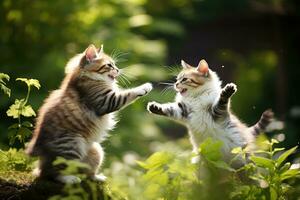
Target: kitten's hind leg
[220,109]
[94,159]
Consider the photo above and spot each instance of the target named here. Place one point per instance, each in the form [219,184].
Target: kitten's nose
[176,84]
[116,70]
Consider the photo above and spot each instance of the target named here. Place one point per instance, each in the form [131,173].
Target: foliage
[270,171]
[172,175]
[3,87]
[169,175]
[15,160]
[21,130]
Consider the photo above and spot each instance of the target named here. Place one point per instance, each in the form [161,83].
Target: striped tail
[266,123]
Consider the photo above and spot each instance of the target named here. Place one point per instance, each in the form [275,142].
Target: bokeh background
[253,43]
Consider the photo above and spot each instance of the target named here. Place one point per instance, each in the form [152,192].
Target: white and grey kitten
[204,107]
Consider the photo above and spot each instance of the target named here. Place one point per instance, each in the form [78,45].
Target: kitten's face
[191,79]
[99,65]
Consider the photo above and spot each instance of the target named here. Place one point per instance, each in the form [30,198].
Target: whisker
[173,70]
[120,60]
[123,81]
[166,83]
[124,78]
[129,76]
[127,73]
[117,54]
[120,54]
[166,90]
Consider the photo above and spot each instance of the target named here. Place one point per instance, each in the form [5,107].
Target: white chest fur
[201,125]
[102,126]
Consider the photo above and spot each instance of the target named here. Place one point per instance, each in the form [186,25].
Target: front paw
[154,107]
[229,90]
[144,89]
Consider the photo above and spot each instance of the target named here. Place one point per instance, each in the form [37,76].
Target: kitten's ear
[185,65]
[91,53]
[203,67]
[100,50]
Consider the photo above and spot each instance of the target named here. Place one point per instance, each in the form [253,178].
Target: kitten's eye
[110,65]
[184,79]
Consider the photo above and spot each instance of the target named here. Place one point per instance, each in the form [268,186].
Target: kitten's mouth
[111,77]
[182,90]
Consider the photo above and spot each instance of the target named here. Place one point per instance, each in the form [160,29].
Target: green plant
[167,176]
[266,175]
[14,159]
[21,130]
[269,170]
[3,87]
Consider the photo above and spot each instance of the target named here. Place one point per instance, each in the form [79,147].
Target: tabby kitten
[204,107]
[76,117]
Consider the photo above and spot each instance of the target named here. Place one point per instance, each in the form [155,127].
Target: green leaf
[237,150]
[262,151]
[211,150]
[27,111]
[20,133]
[12,136]
[18,109]
[291,173]
[14,126]
[156,176]
[152,191]
[157,159]
[30,82]
[25,132]
[240,190]
[4,76]
[278,149]
[284,156]
[262,162]
[285,167]
[141,164]
[273,194]
[222,165]
[3,87]
[14,109]
[274,141]
[27,124]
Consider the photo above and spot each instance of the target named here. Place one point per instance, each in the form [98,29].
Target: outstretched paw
[229,90]
[144,89]
[154,107]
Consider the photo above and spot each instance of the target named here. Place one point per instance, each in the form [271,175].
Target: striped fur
[204,107]
[76,117]
[265,119]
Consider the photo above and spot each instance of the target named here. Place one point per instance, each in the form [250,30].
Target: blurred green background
[250,42]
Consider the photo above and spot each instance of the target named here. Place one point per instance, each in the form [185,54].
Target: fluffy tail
[266,123]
